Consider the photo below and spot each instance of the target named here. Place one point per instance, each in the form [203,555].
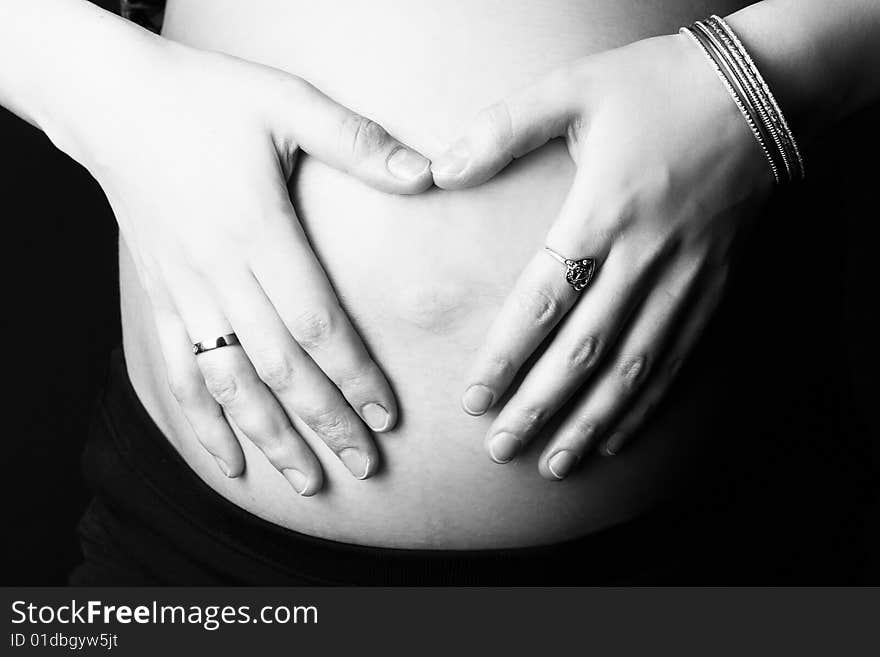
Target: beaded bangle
[751,94]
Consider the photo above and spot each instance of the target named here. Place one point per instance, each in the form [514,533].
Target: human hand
[194,158]
[667,176]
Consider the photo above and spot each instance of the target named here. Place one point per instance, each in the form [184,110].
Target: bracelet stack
[752,96]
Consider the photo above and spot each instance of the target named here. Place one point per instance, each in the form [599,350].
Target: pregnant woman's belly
[422,277]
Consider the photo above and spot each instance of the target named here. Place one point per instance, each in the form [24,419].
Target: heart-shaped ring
[579,272]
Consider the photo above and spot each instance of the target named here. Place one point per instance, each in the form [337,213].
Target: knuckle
[312,328]
[275,370]
[584,354]
[362,137]
[539,305]
[530,418]
[222,382]
[332,425]
[223,385]
[359,377]
[632,371]
[582,429]
[500,367]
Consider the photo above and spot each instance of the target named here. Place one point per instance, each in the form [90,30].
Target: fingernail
[376,416]
[406,164]
[223,467]
[503,447]
[477,400]
[614,444]
[297,479]
[355,462]
[452,162]
[561,463]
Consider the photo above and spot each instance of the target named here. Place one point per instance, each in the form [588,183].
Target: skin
[661,269]
[214,237]
[659,209]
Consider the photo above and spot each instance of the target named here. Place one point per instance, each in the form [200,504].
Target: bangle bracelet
[737,99]
[751,98]
[774,110]
[752,95]
[745,86]
[741,86]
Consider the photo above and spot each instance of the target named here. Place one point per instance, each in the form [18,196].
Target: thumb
[507,130]
[352,143]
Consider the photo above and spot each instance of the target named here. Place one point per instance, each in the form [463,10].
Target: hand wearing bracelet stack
[666,184]
[249,240]
[660,200]
[751,95]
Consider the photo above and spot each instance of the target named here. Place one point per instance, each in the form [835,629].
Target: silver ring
[227,340]
[579,272]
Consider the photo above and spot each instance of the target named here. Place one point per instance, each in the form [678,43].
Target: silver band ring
[223,341]
[578,273]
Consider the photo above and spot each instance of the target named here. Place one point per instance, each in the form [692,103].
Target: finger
[541,295]
[624,374]
[294,378]
[232,381]
[186,384]
[350,142]
[587,333]
[185,381]
[663,376]
[311,313]
[507,130]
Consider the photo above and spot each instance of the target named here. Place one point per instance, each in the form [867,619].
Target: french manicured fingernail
[296,479]
[503,447]
[223,467]
[614,444]
[452,162]
[562,462]
[376,416]
[355,462]
[477,400]
[406,164]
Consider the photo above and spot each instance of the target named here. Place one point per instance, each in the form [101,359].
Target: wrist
[71,69]
[93,102]
[816,57]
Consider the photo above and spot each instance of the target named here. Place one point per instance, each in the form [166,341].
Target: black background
[798,331]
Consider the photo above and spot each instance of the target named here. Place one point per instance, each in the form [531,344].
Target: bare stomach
[422,277]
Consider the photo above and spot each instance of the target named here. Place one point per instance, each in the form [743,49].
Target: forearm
[67,62]
[820,58]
